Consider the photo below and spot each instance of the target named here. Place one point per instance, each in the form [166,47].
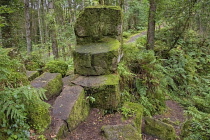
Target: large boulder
[97,58]
[51,82]
[69,110]
[121,132]
[104,89]
[97,22]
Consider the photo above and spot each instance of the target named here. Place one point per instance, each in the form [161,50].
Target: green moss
[159,129]
[79,112]
[105,6]
[39,115]
[95,23]
[137,112]
[51,82]
[106,97]
[54,86]
[118,132]
[56,67]
[32,75]
[97,58]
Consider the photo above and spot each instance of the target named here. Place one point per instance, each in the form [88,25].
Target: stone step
[122,131]
[69,110]
[97,58]
[51,82]
[159,129]
[32,75]
[104,89]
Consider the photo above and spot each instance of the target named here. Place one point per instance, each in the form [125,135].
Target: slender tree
[151,25]
[6,29]
[27,27]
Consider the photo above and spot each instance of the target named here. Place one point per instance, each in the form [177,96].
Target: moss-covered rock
[97,58]
[56,66]
[96,22]
[32,75]
[137,113]
[159,129]
[69,110]
[118,132]
[51,82]
[104,89]
[39,115]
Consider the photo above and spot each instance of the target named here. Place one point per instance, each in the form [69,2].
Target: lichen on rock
[105,90]
[97,58]
[118,132]
[97,22]
[159,129]
[32,75]
[51,82]
[69,110]
[137,114]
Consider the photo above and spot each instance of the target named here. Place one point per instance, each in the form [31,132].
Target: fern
[23,108]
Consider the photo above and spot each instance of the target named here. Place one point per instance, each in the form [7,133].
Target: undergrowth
[181,73]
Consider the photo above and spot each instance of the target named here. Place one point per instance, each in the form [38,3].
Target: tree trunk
[27,27]
[40,23]
[6,30]
[151,25]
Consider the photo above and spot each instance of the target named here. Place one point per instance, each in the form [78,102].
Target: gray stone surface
[32,75]
[96,22]
[69,109]
[105,90]
[97,58]
[121,132]
[51,82]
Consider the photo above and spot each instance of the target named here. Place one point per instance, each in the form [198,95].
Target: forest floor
[91,128]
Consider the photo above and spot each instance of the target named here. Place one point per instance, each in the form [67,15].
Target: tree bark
[6,30]
[40,23]
[27,27]
[151,25]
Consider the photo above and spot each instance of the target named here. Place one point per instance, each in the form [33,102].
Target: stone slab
[105,90]
[159,129]
[96,22]
[51,82]
[121,132]
[69,110]
[32,75]
[97,58]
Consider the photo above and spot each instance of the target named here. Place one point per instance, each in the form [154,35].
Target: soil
[91,128]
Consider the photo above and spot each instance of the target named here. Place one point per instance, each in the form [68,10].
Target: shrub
[33,62]
[56,66]
[12,71]
[22,109]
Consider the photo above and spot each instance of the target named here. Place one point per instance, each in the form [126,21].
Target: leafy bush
[56,66]
[33,62]
[197,126]
[141,71]
[22,109]
[12,71]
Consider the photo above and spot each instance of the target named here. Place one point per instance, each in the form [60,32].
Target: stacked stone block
[98,33]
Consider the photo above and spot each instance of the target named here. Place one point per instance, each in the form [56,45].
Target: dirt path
[135,37]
